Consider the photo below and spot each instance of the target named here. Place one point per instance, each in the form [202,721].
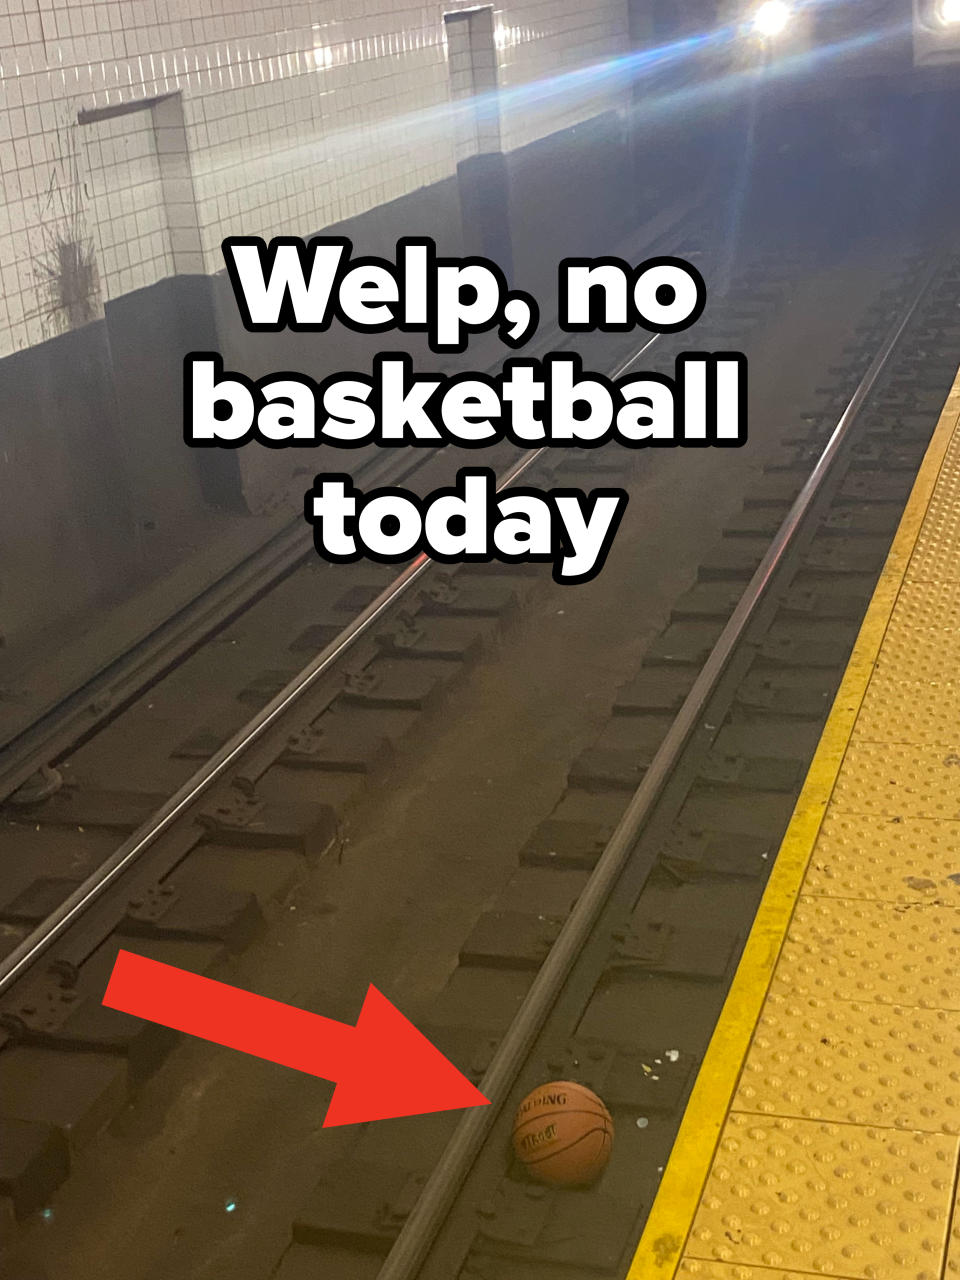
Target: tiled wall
[288,116]
[544,48]
[472,59]
[124,191]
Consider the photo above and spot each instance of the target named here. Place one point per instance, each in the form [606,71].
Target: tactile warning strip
[936,558]
[899,780]
[953,1248]
[927,711]
[827,1198]
[823,1133]
[696,1269]
[851,1063]
[871,857]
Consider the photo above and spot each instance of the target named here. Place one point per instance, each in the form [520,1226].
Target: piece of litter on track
[642,1122]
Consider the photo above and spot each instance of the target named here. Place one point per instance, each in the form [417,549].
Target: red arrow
[383,1066]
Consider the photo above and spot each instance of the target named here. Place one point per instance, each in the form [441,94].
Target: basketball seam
[601,1115]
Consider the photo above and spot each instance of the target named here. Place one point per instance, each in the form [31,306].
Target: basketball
[563,1134]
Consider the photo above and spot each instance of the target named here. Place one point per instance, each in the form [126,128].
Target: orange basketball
[563,1134]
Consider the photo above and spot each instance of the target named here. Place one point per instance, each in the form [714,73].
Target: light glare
[773,15]
[949,12]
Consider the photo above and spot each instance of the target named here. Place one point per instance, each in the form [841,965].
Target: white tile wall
[296,114]
[472,62]
[124,190]
[545,49]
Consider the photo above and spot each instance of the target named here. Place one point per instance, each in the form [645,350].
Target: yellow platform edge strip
[671,1217]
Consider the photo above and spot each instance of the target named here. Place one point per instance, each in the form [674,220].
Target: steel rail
[441,1188]
[39,940]
[25,750]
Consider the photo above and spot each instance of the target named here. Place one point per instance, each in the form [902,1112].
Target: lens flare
[948,12]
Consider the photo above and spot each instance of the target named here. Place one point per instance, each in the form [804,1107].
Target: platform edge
[668,1226]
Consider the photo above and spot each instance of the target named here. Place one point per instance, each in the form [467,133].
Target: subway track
[636,1009]
[635,1013]
[639,1003]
